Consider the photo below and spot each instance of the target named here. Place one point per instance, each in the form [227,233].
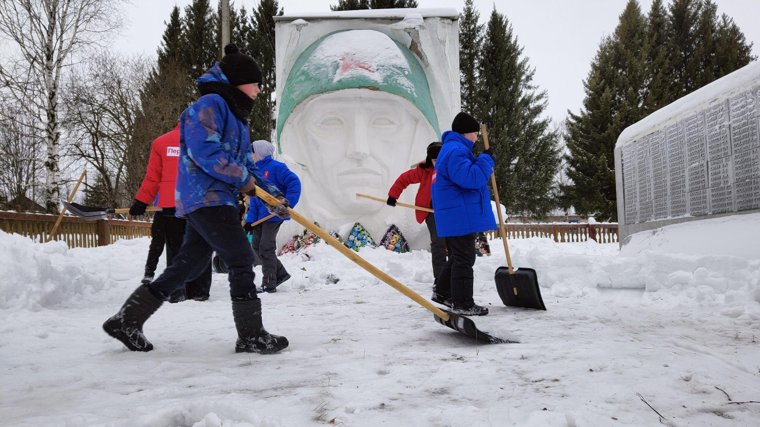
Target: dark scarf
[240,104]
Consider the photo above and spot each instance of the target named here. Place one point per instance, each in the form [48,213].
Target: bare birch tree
[20,156]
[104,99]
[45,35]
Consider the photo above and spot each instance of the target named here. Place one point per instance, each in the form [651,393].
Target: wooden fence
[560,232]
[76,232]
[79,233]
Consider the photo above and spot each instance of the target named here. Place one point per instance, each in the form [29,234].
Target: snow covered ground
[668,326]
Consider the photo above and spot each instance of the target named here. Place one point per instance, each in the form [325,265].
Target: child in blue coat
[462,208]
[264,240]
[215,165]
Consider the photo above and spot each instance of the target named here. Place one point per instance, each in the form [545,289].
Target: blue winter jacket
[216,159]
[281,177]
[461,199]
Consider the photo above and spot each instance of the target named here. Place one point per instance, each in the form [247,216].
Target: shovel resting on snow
[516,288]
[454,321]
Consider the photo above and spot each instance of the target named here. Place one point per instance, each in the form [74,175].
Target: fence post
[592,232]
[104,233]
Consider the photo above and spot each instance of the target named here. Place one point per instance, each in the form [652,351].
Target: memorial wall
[696,158]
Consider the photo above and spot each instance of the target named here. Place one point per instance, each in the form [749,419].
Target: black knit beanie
[239,68]
[432,150]
[465,123]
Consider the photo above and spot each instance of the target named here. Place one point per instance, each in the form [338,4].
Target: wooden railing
[560,232]
[76,232]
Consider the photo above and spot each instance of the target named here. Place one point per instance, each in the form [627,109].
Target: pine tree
[261,47]
[525,149]
[732,49]
[614,101]
[470,39]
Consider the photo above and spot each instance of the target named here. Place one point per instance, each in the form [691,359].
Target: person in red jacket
[158,185]
[422,174]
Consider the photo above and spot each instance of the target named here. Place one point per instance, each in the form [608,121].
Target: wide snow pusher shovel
[95,213]
[516,288]
[454,321]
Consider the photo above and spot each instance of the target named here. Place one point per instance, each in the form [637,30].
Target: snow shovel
[516,288]
[403,205]
[95,213]
[454,321]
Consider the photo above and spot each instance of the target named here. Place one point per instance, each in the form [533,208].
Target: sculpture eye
[382,122]
[331,122]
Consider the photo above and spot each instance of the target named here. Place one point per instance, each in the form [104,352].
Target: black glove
[281,209]
[137,208]
[489,151]
[248,227]
[391,201]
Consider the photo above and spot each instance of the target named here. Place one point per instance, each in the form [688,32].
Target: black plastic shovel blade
[466,326]
[519,289]
[86,212]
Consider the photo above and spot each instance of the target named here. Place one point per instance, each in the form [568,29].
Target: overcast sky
[560,37]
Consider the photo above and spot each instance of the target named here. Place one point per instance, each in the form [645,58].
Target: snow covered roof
[374,14]
[719,90]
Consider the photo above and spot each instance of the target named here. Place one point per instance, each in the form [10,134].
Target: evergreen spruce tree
[731,48]
[508,102]
[261,47]
[614,101]
[166,93]
[683,62]
[657,90]
[373,4]
[199,45]
[470,39]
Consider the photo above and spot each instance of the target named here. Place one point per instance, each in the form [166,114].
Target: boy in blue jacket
[264,240]
[215,165]
[462,208]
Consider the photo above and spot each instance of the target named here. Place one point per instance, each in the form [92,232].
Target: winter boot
[126,325]
[440,299]
[252,337]
[473,310]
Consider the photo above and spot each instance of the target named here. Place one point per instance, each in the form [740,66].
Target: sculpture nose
[358,148]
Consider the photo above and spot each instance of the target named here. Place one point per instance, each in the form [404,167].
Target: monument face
[359,100]
[696,158]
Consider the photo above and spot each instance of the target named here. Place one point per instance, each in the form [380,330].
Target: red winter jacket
[161,176]
[418,175]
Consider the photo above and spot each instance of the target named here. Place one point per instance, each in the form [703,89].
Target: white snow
[674,324]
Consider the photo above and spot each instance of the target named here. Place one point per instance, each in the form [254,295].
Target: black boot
[126,325]
[252,337]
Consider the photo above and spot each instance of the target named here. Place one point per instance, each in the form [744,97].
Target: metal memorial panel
[676,155]
[644,168]
[706,162]
[658,153]
[630,180]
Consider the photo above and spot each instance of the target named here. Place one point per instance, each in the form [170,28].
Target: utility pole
[225,24]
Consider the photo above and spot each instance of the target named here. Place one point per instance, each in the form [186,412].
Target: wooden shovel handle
[403,205]
[353,256]
[126,210]
[502,231]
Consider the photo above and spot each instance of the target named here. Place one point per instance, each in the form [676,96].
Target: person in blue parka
[264,240]
[215,165]
[462,206]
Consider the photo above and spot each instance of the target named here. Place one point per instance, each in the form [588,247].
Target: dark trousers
[264,245]
[169,230]
[437,246]
[456,278]
[212,229]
